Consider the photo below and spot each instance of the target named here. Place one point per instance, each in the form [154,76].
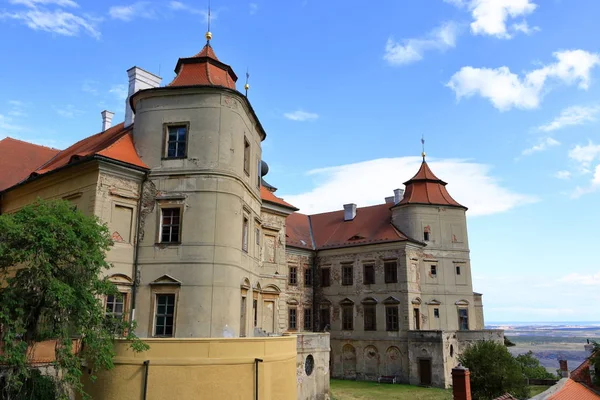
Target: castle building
[204,248]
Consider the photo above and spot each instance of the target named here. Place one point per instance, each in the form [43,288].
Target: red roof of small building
[426,188]
[18,159]
[371,225]
[267,195]
[204,69]
[115,143]
[572,390]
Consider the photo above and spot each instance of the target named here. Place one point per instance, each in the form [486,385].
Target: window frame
[295,318]
[426,236]
[155,295]
[386,268]
[458,272]
[293,272]
[392,318]
[167,206]
[328,269]
[166,127]
[347,279]
[247,155]
[436,312]
[371,268]
[308,277]
[124,299]
[433,270]
[245,232]
[347,313]
[372,319]
[307,323]
[460,318]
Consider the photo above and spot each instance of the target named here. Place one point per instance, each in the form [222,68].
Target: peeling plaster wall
[316,385]
[300,295]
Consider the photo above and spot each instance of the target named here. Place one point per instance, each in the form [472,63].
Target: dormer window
[176,146]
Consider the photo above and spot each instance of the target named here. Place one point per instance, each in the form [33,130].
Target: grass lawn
[354,390]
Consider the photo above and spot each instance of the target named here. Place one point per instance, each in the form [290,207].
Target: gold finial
[247,85]
[208,36]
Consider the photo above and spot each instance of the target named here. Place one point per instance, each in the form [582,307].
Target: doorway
[425,371]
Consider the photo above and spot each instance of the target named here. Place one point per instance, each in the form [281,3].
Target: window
[255,311]
[436,312]
[326,277]
[292,318]
[416,318]
[246,156]
[347,318]
[164,322]
[463,319]
[171,225]
[391,271]
[257,234]
[324,318]
[307,318]
[258,173]
[458,270]
[121,223]
[391,318]
[243,317]
[370,315]
[245,235]
[433,270]
[369,274]
[115,305]
[176,141]
[347,275]
[308,277]
[293,276]
[426,236]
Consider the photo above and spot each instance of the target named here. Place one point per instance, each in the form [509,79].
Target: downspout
[137,252]
[256,361]
[147,367]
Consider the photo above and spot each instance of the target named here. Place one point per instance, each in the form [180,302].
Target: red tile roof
[572,390]
[18,159]
[370,226]
[268,196]
[115,143]
[204,69]
[426,188]
[297,231]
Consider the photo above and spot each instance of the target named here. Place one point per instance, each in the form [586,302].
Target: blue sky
[506,93]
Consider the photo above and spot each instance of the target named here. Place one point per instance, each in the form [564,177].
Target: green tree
[494,371]
[532,368]
[508,342]
[52,260]
[595,361]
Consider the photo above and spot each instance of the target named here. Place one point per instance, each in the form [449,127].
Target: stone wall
[312,366]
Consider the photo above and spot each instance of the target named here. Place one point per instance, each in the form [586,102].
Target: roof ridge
[31,143]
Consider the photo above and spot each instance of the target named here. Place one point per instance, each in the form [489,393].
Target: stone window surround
[124,285]
[369,303]
[347,306]
[162,204]
[247,154]
[165,148]
[392,303]
[163,288]
[347,274]
[390,277]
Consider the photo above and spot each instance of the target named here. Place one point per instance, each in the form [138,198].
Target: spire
[423,144]
[426,188]
[208,34]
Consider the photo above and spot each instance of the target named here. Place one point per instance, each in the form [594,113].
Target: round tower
[201,201]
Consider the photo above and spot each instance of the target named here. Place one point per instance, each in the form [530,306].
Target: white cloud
[35,3]
[119,90]
[575,115]
[490,17]
[412,50]
[369,182]
[542,145]
[69,111]
[582,279]
[563,174]
[300,115]
[58,21]
[507,90]
[253,8]
[180,6]
[586,154]
[140,9]
[7,124]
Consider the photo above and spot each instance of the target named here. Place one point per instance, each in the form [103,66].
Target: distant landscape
[550,341]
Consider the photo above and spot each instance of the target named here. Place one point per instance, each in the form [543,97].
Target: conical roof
[204,69]
[426,188]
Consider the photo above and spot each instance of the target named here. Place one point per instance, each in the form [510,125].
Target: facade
[205,249]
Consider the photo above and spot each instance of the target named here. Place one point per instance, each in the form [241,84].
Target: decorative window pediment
[293,302]
[346,302]
[391,300]
[271,289]
[369,301]
[463,303]
[166,280]
[434,302]
[416,301]
[245,284]
[120,279]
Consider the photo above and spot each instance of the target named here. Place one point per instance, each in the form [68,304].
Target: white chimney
[398,195]
[349,211]
[389,200]
[107,117]
[138,80]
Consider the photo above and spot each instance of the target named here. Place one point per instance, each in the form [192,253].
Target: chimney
[349,211]
[138,80]
[107,117]
[398,195]
[564,368]
[461,383]
[389,200]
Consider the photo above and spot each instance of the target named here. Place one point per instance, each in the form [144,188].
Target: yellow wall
[208,369]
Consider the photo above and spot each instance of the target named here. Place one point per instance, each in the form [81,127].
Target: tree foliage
[52,261]
[508,342]
[595,363]
[494,371]
[532,368]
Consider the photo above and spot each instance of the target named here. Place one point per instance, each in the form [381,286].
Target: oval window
[309,365]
